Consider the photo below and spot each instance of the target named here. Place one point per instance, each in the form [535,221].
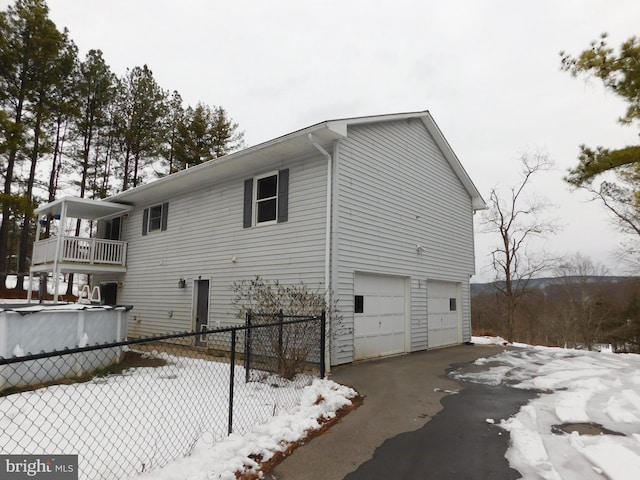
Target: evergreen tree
[175,117]
[204,134]
[226,136]
[195,137]
[95,131]
[96,93]
[620,74]
[50,85]
[142,107]
[29,52]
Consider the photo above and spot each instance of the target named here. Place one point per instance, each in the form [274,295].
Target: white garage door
[443,306]
[379,318]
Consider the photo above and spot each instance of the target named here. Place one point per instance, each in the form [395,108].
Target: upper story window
[266,199]
[155,218]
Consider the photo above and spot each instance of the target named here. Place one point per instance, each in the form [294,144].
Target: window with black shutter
[155,218]
[266,199]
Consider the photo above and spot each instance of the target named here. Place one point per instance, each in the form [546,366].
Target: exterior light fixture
[182,283]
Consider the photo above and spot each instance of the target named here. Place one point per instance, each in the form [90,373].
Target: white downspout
[327,247]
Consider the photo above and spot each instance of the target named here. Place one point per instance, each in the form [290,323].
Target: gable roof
[294,143]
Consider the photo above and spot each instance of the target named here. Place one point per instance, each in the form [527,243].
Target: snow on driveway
[576,387]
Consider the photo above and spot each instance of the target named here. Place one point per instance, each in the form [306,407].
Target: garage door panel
[391,324]
[380,329]
[439,305]
[365,326]
[383,305]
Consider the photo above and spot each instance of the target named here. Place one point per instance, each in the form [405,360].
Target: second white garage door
[443,306]
[380,316]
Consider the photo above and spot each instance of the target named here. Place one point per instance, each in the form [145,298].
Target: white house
[377,211]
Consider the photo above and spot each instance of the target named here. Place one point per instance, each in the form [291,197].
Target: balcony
[80,254]
[70,254]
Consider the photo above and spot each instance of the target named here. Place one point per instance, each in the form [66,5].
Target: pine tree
[226,136]
[205,134]
[142,107]
[174,118]
[29,55]
[95,86]
[95,93]
[620,74]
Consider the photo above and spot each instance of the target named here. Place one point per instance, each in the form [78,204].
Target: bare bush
[269,301]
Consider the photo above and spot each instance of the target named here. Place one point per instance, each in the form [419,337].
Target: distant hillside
[541,283]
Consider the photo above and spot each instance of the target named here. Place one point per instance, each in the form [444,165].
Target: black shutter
[145,220]
[283,195]
[165,212]
[248,203]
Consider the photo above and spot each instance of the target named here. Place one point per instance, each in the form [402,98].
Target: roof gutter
[327,246]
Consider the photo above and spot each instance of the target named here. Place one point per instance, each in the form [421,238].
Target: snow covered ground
[122,424]
[235,453]
[576,387]
[62,284]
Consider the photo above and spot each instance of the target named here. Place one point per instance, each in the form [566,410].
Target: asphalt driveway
[403,431]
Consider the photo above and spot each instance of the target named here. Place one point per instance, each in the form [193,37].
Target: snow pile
[237,452]
[576,387]
[485,340]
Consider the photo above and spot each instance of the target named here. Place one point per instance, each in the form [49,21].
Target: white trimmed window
[266,199]
[155,218]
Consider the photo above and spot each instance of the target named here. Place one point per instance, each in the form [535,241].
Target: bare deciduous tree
[517,218]
[583,306]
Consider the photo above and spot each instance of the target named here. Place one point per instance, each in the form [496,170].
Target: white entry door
[379,318]
[443,307]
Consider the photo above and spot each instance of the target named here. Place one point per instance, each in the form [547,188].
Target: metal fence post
[247,347]
[281,352]
[232,378]
[323,342]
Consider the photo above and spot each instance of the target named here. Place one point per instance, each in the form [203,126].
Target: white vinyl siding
[205,233]
[396,190]
[393,189]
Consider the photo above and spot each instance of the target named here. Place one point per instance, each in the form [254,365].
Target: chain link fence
[130,407]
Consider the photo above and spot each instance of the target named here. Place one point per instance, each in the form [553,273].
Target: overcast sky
[488,71]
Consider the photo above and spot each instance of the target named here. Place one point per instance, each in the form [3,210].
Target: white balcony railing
[93,251]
